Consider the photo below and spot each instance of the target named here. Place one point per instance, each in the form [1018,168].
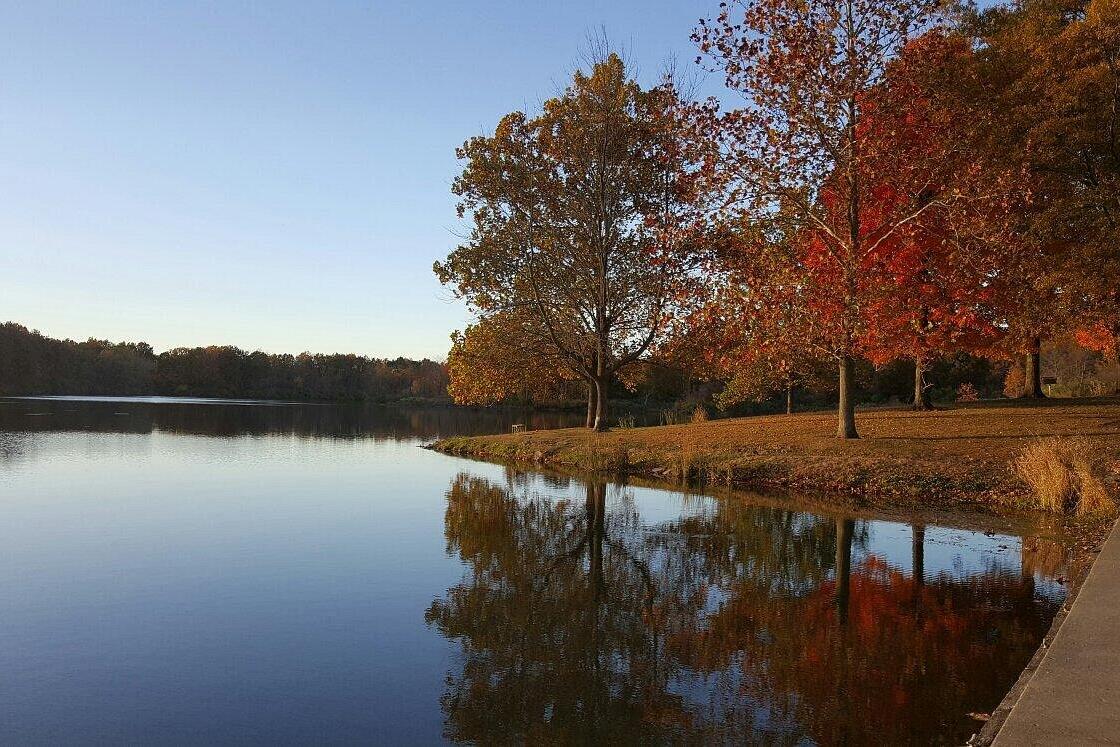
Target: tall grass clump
[1066,475]
[685,466]
[700,414]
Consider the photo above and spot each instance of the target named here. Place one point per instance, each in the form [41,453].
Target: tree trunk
[844,530]
[918,562]
[1032,386]
[789,399]
[918,552]
[846,425]
[596,533]
[601,384]
[591,406]
[920,401]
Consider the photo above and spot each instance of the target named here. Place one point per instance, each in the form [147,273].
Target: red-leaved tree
[794,155]
[934,280]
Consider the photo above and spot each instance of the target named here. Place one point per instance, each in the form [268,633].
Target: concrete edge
[999,715]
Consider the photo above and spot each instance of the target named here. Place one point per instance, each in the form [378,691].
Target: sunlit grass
[947,458]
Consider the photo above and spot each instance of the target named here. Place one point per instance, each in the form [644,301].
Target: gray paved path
[1074,696]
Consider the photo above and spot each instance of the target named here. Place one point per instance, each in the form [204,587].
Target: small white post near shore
[1049,382]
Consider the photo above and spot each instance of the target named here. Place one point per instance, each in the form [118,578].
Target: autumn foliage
[901,180]
[583,228]
[497,359]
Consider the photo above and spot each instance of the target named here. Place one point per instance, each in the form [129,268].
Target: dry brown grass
[963,456]
[1066,475]
[1044,466]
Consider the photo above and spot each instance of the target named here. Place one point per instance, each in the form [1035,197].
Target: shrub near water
[1066,474]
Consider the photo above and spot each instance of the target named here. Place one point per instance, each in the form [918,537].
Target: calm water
[203,572]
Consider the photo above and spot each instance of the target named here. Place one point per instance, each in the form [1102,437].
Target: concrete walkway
[1074,696]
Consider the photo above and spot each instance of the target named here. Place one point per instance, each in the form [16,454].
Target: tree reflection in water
[738,623]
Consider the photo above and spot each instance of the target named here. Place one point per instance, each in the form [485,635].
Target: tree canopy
[902,181]
[581,226]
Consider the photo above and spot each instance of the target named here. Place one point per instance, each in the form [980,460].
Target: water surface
[236,573]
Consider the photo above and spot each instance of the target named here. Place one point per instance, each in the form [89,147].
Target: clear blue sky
[266,174]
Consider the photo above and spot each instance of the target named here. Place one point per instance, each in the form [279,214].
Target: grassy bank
[947,458]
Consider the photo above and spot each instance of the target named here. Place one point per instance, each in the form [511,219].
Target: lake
[185,572]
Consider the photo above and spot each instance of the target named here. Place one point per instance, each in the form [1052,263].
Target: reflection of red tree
[911,660]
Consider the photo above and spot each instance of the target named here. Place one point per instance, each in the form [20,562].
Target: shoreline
[944,459]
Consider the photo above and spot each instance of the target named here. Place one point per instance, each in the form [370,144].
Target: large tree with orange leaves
[1043,86]
[581,223]
[1066,99]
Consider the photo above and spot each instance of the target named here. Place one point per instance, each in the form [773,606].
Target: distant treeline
[33,364]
